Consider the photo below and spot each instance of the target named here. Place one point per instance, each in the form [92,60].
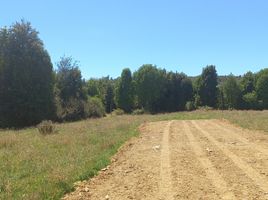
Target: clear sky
[106,36]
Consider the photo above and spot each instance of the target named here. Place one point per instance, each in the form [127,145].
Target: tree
[26,77]
[109,99]
[232,92]
[177,91]
[207,86]
[262,87]
[149,86]
[69,79]
[71,96]
[125,91]
[248,83]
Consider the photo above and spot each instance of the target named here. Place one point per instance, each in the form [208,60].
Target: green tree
[248,83]
[149,81]
[232,92]
[206,86]
[26,77]
[262,87]
[125,91]
[109,99]
[71,95]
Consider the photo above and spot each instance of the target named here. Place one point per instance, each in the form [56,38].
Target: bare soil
[193,159]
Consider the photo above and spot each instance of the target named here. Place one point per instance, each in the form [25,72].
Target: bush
[94,107]
[190,105]
[138,112]
[46,127]
[118,111]
[71,110]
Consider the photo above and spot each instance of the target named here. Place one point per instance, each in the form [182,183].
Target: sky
[106,36]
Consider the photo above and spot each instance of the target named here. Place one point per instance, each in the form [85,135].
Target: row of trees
[31,91]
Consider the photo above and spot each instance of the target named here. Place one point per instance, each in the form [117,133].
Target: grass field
[33,166]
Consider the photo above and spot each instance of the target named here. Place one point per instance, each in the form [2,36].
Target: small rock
[86,189]
[104,169]
[156,147]
[209,150]
[107,197]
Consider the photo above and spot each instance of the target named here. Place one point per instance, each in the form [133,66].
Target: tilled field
[195,159]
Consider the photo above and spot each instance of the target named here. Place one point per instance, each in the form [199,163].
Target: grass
[33,166]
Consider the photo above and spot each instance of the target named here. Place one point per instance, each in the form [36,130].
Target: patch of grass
[37,167]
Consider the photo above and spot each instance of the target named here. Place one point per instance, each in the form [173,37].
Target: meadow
[34,166]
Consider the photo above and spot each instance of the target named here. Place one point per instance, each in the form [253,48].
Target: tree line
[32,91]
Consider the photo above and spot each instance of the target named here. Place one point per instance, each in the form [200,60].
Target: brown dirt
[201,159]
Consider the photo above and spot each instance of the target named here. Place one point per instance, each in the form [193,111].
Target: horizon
[106,37]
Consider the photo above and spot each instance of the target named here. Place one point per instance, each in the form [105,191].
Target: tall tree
[70,91]
[232,92]
[149,82]
[207,86]
[26,77]
[125,91]
[262,87]
[109,99]
[248,83]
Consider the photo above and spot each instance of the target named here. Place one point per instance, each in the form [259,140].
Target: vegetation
[31,91]
[26,77]
[125,91]
[38,167]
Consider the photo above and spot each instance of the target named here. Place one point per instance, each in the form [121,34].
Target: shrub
[46,127]
[94,107]
[190,105]
[71,110]
[118,111]
[138,112]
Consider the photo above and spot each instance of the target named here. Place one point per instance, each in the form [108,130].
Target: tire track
[240,138]
[259,180]
[212,174]
[165,189]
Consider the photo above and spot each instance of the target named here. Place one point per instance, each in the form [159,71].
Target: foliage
[189,106]
[138,112]
[251,100]
[95,107]
[149,82]
[206,86]
[26,79]
[125,91]
[231,92]
[46,127]
[248,83]
[69,92]
[262,88]
[109,99]
[118,111]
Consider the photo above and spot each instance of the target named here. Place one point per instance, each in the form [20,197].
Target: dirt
[191,159]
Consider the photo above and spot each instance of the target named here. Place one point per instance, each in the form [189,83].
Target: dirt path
[202,159]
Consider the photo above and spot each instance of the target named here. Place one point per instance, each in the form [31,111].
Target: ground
[184,159]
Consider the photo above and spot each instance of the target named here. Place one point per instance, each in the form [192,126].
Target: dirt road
[201,159]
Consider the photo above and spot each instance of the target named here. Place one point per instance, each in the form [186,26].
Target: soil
[191,159]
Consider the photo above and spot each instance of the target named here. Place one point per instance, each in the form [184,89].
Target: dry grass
[37,167]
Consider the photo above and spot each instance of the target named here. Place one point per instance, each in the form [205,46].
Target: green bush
[94,107]
[46,127]
[118,111]
[138,112]
[71,110]
[189,106]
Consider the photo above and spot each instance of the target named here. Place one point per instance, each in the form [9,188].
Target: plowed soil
[194,159]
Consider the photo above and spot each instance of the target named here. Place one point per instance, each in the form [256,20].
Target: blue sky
[106,36]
